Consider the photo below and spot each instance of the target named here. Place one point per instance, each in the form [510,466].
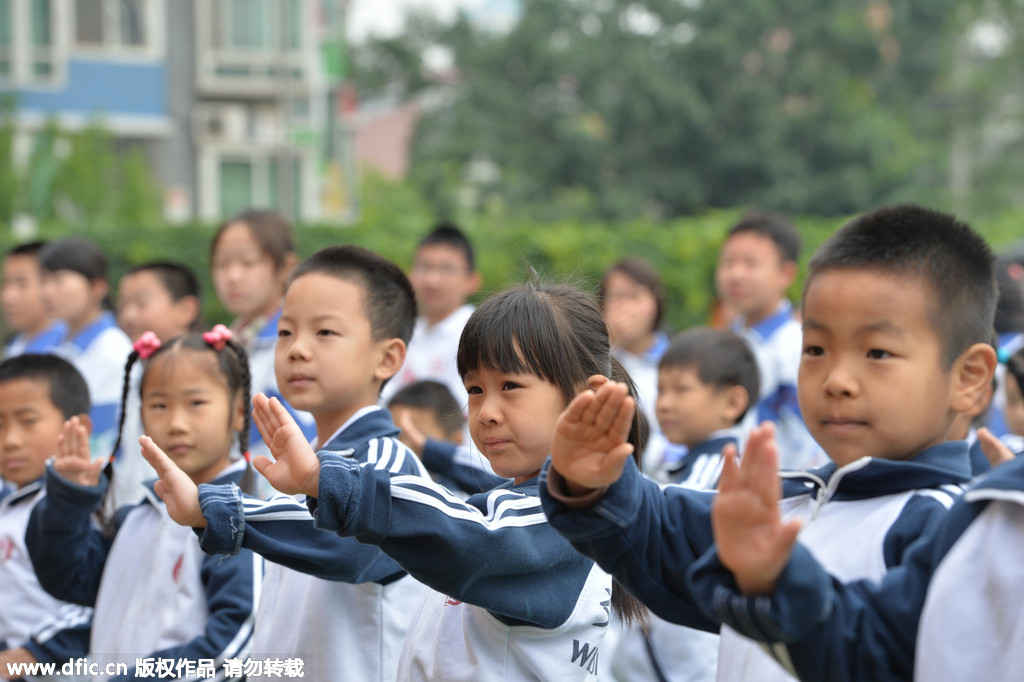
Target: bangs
[510,333]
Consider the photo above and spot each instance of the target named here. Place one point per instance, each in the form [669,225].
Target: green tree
[619,108]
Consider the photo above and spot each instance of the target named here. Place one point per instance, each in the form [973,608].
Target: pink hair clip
[217,337]
[147,344]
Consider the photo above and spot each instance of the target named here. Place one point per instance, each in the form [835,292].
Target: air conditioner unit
[222,122]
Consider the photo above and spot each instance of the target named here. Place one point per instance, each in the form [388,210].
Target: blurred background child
[632,298]
[162,297]
[25,314]
[251,256]
[76,291]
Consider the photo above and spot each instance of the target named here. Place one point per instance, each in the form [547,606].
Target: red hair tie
[147,344]
[217,337]
[248,456]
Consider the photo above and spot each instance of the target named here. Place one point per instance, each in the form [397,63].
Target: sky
[384,17]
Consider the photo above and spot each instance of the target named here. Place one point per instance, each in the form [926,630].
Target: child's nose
[840,380]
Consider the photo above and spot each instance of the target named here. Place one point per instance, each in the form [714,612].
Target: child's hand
[74,461]
[590,446]
[995,450]
[296,468]
[752,540]
[175,488]
[410,435]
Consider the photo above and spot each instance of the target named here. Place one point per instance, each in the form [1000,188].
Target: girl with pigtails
[155,594]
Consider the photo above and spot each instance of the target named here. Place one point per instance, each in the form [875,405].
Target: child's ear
[972,376]
[86,422]
[391,358]
[100,288]
[736,402]
[186,309]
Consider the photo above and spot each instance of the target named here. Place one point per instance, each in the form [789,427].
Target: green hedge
[393,220]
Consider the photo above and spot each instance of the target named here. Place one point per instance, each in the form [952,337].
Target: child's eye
[325,332]
[282,333]
[879,354]
[473,390]
[509,385]
[197,403]
[814,351]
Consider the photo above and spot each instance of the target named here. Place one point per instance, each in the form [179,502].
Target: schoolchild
[251,255]
[37,394]
[25,314]
[444,276]
[951,612]
[75,289]
[707,379]
[162,297]
[339,605]
[432,425]
[897,314]
[632,298]
[155,595]
[509,598]
[756,266]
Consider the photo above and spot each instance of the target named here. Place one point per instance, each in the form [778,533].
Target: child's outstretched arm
[67,551]
[295,468]
[590,446]
[752,540]
[175,488]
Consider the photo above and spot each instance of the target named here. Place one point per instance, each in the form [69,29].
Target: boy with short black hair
[756,266]
[444,276]
[897,311]
[37,394]
[340,605]
[25,314]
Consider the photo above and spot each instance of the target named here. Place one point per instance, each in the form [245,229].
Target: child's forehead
[884,279]
[441,252]
[307,290]
[26,392]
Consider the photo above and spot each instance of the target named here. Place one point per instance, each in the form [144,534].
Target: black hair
[270,230]
[1015,369]
[434,396]
[177,279]
[721,358]
[643,273]
[27,249]
[68,391]
[449,234]
[909,240]
[774,226]
[555,332]
[389,301]
[233,363]
[77,255]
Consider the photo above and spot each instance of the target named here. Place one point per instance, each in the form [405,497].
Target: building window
[117,24]
[28,53]
[262,182]
[253,41]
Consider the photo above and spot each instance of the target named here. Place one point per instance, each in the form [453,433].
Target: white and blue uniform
[670,652]
[261,372]
[459,468]
[510,599]
[154,592]
[341,606]
[858,519]
[99,352]
[45,341]
[777,342]
[951,612]
[52,631]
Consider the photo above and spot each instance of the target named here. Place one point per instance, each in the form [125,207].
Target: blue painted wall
[95,86]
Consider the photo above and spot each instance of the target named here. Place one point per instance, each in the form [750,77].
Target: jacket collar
[943,464]
[366,424]
[23,493]
[769,325]
[712,446]
[232,474]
